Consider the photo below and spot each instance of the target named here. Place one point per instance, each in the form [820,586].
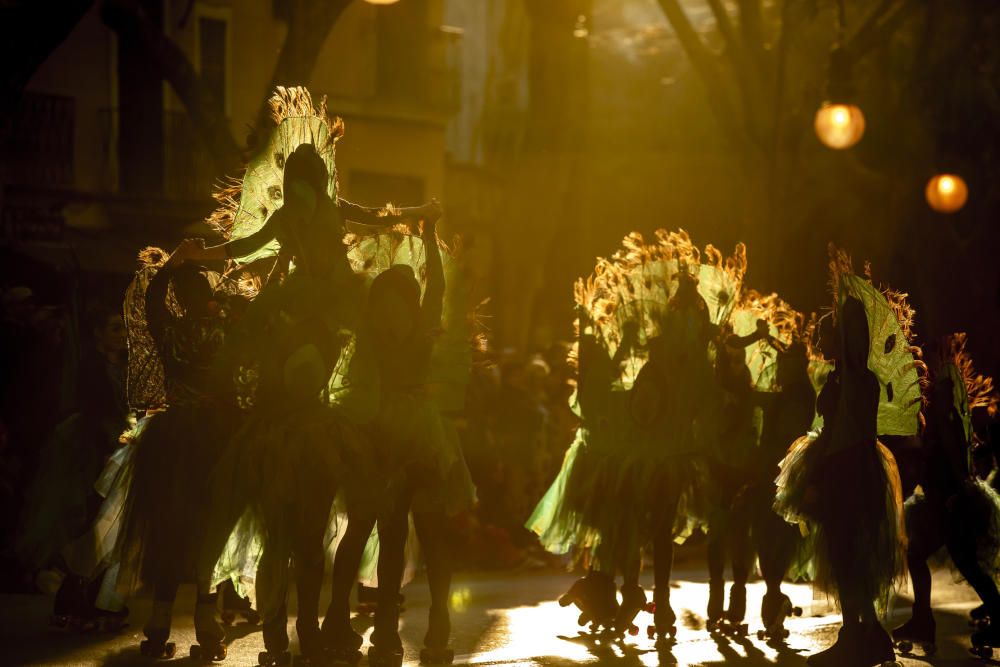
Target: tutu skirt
[851,503]
[165,516]
[610,506]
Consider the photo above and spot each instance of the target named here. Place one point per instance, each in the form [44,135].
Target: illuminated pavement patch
[506,619]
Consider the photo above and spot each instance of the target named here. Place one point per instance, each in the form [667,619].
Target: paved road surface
[502,619]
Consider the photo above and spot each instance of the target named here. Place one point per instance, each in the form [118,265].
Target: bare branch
[309,25]
[703,62]
[753,32]
[743,73]
[128,20]
[880,25]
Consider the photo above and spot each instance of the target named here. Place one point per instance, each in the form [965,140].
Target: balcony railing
[38,142]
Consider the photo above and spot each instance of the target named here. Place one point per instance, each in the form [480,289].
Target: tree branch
[128,20]
[32,30]
[743,72]
[309,25]
[753,33]
[879,26]
[702,61]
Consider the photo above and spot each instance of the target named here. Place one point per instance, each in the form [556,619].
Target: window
[213,38]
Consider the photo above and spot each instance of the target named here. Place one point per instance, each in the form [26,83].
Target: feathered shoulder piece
[152,257]
[246,202]
[462,330]
[979,390]
[893,357]
[785,327]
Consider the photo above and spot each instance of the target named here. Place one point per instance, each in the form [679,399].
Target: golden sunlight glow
[381,2]
[839,126]
[946,193]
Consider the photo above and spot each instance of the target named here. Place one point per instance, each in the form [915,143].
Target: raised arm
[761,333]
[195,249]
[432,306]
[373,216]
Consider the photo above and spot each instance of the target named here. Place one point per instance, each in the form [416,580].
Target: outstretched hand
[430,212]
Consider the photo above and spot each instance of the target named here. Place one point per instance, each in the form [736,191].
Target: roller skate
[156,646]
[275,634]
[276,659]
[732,624]
[381,657]
[68,602]
[436,650]
[343,644]
[664,628]
[211,637]
[110,621]
[840,653]
[368,600]
[311,649]
[875,648]
[714,613]
[633,601]
[233,605]
[984,641]
[919,631]
[774,609]
[596,598]
[979,617]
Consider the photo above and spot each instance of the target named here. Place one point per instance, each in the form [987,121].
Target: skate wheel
[252,617]
[905,647]
[785,633]
[633,630]
[650,632]
[228,617]
[796,611]
[984,652]
[761,635]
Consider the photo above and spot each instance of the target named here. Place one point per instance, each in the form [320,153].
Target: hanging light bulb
[839,126]
[946,193]
[839,123]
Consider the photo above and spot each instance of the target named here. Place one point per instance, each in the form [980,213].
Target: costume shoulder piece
[785,326]
[970,390]
[245,204]
[892,357]
[461,331]
[628,295]
[144,381]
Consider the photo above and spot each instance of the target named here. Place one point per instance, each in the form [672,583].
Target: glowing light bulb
[580,29]
[381,2]
[839,126]
[946,193]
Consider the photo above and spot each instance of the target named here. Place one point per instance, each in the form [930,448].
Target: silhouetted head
[855,340]
[192,289]
[108,329]
[687,295]
[394,302]
[793,366]
[305,170]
